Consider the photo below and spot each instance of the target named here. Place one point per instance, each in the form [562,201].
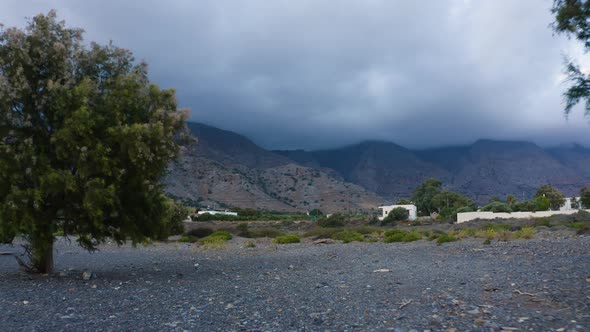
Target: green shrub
[250,244]
[525,233]
[243,230]
[217,237]
[395,215]
[188,238]
[199,232]
[321,233]
[286,239]
[265,232]
[366,229]
[524,206]
[347,236]
[222,234]
[497,207]
[542,203]
[59,233]
[444,238]
[335,220]
[543,222]
[397,235]
[577,225]
[464,233]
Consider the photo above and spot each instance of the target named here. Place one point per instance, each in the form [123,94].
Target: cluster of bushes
[395,215]
[286,239]
[334,220]
[244,230]
[398,235]
[206,235]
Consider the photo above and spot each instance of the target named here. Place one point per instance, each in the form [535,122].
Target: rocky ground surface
[537,285]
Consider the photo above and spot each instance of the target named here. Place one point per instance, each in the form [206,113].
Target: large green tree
[556,198]
[85,138]
[572,18]
[423,195]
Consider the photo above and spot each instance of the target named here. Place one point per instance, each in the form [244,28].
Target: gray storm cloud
[313,74]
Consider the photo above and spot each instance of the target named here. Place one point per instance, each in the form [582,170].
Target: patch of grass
[577,225]
[504,236]
[364,230]
[398,235]
[444,238]
[489,233]
[348,236]
[265,232]
[464,233]
[286,239]
[321,233]
[525,233]
[542,222]
[216,238]
[213,241]
[250,244]
[188,239]
[59,233]
[487,242]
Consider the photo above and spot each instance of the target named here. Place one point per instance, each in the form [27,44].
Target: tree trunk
[42,251]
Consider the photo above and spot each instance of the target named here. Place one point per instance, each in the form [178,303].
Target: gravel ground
[538,285]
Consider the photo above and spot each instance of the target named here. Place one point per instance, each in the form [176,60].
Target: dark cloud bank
[315,74]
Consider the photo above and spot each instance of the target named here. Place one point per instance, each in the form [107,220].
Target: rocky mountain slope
[227,169]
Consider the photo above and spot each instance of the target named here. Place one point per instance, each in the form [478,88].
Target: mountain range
[225,169]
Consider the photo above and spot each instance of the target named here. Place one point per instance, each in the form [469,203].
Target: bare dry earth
[540,285]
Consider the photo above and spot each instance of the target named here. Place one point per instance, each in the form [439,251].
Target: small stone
[474,312]
[87,275]
[229,306]
[382,271]
[25,302]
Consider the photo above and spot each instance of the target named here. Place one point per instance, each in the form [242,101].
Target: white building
[217,212]
[567,206]
[412,211]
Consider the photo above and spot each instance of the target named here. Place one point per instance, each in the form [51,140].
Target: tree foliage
[556,198]
[85,138]
[585,197]
[451,200]
[423,195]
[497,207]
[572,18]
[395,215]
[403,201]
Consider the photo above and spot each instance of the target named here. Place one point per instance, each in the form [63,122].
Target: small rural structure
[412,211]
[571,203]
[229,213]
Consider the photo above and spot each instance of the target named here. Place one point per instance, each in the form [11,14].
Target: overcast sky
[316,74]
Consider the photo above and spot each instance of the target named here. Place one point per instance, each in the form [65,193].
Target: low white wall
[468,216]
